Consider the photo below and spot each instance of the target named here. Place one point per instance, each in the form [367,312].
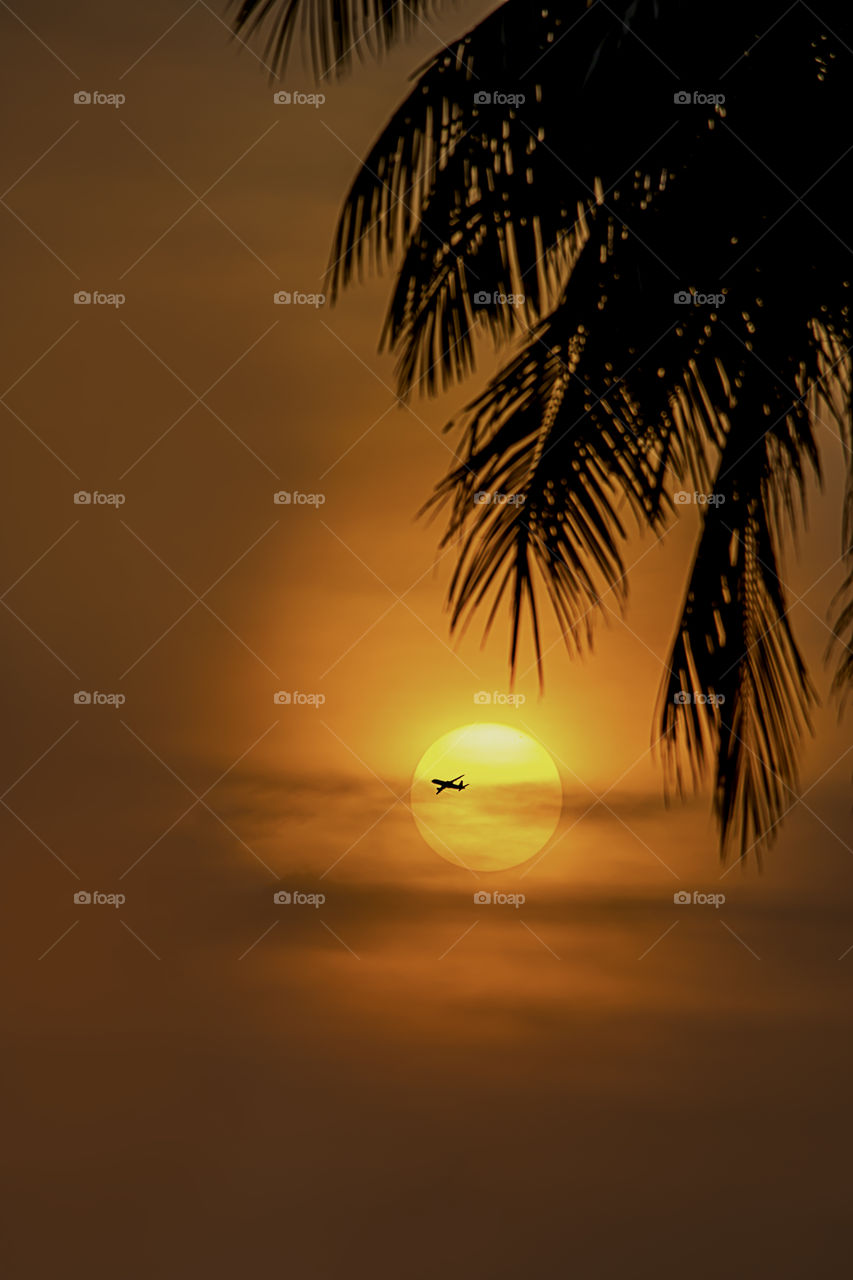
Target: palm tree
[666,188]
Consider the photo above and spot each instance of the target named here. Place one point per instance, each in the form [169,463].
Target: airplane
[454,784]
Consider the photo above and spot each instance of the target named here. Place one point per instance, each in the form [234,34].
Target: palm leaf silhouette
[333,33]
[679,277]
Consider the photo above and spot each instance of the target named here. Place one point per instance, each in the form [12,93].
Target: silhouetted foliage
[584,185]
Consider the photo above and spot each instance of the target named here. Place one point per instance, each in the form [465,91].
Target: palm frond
[737,685]
[333,33]
[479,193]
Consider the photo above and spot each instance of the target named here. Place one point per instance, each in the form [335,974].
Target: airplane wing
[456,779]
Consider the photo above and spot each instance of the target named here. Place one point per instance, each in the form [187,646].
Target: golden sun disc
[509,809]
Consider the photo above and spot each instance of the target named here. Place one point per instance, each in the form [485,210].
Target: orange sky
[279,1082]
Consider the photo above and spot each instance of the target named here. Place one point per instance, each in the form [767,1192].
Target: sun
[510,807]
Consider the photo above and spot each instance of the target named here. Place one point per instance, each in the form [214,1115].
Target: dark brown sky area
[397,1081]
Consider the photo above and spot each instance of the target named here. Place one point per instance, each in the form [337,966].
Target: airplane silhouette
[453,785]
